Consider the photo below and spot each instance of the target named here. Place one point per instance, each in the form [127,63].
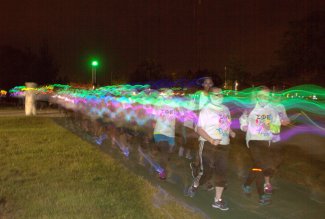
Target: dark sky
[122,33]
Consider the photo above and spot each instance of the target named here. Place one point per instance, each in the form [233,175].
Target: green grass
[47,172]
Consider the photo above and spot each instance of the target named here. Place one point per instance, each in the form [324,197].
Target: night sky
[179,34]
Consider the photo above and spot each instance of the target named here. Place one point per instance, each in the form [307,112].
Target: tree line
[18,66]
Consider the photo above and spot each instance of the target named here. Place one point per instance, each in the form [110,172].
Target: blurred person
[261,124]
[30,98]
[164,129]
[201,99]
[214,130]
[188,134]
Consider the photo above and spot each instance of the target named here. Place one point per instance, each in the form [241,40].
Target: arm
[231,132]
[205,135]
[275,123]
[284,118]
[243,120]
[202,132]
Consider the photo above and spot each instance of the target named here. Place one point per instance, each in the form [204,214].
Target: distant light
[94,63]
[3,93]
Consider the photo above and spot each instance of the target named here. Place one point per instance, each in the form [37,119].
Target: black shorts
[215,163]
[261,155]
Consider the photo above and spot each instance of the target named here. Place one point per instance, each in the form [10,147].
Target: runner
[260,126]
[188,134]
[214,130]
[200,100]
[164,131]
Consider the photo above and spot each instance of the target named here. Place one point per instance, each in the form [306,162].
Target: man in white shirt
[201,99]
[214,130]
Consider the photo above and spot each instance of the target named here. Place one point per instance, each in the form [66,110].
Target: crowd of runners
[152,125]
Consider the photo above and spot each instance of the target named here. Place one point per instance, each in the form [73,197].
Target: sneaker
[162,175]
[268,188]
[191,191]
[193,169]
[189,156]
[264,200]
[221,205]
[247,189]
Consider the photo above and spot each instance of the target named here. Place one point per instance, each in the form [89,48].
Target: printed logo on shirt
[263,124]
[166,113]
[224,122]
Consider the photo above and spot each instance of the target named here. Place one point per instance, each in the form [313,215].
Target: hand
[244,128]
[232,134]
[275,138]
[215,142]
[285,122]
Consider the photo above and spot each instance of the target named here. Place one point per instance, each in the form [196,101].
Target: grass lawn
[47,172]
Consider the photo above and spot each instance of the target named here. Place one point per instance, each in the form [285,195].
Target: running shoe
[264,200]
[221,205]
[247,189]
[268,188]
[191,191]
[189,156]
[162,175]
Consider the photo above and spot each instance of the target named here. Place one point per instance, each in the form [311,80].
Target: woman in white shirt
[214,130]
[261,125]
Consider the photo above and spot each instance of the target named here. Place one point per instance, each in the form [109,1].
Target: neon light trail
[137,105]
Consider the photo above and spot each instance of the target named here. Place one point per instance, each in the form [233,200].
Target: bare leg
[267,179]
[219,191]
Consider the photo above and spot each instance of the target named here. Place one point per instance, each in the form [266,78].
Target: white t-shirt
[215,121]
[165,121]
[282,111]
[283,117]
[188,123]
[188,118]
[259,122]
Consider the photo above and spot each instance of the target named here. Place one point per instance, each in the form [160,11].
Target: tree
[208,73]
[302,50]
[46,69]
[16,66]
[148,70]
[235,71]
[274,76]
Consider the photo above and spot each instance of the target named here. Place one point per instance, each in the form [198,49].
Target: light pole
[94,65]
[225,86]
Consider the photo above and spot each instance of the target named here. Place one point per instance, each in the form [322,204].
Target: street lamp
[94,65]
[225,86]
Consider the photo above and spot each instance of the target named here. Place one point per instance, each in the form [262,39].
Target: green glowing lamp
[94,63]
